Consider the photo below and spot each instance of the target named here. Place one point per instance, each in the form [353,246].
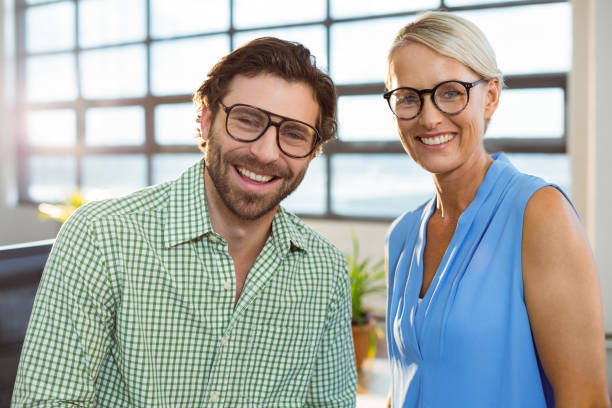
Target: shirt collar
[188,217]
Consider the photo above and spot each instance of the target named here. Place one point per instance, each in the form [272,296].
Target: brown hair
[288,60]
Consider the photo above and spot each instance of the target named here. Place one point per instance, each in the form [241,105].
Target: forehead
[291,99]
[418,66]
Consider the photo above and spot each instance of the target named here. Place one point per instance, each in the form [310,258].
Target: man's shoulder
[314,243]
[150,199]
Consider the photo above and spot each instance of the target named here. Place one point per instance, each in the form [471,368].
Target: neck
[242,236]
[456,189]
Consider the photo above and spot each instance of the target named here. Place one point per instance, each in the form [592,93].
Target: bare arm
[563,299]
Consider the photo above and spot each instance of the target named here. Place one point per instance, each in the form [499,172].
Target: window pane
[183,17]
[378,185]
[312,37]
[114,73]
[175,124]
[51,128]
[454,3]
[111,21]
[352,8]
[542,44]
[114,126]
[365,117]
[309,197]
[52,178]
[170,166]
[180,67]
[249,13]
[541,113]
[51,78]
[37,1]
[113,175]
[359,50]
[41,35]
[554,168]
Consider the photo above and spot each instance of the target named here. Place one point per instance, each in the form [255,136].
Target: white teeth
[431,141]
[253,176]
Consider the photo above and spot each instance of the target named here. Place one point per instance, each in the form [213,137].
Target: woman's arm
[563,299]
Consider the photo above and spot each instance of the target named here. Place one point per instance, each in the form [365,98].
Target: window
[106,90]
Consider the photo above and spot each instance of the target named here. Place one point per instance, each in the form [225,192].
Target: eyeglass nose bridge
[431,93]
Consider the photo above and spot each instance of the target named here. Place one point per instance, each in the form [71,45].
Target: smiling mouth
[437,140]
[254,177]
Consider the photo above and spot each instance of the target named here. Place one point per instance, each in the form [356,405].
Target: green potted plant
[366,278]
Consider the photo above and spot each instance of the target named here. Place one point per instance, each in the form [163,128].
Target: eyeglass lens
[248,123]
[449,97]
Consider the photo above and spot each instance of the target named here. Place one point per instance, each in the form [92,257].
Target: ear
[492,97]
[205,121]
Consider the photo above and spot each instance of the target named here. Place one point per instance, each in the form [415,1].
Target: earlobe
[205,120]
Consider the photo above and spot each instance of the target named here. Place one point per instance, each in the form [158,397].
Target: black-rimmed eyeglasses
[450,97]
[247,123]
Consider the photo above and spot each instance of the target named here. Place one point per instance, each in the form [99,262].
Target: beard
[247,205]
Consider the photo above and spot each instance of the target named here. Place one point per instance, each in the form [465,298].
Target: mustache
[250,162]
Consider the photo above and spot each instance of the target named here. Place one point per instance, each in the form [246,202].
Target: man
[203,291]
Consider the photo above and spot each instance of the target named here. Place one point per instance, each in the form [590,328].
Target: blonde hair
[453,37]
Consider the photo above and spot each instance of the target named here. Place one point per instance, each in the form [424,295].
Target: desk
[373,385]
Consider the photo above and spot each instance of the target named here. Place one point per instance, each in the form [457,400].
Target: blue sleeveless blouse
[469,342]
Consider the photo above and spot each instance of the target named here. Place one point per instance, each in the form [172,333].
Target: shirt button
[224,341]
[213,239]
[214,396]
[227,285]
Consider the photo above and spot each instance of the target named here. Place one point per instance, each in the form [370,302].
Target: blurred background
[96,98]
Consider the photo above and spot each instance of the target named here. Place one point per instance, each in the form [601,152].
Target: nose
[430,116]
[265,148]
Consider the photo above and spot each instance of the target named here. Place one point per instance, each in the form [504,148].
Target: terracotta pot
[361,341]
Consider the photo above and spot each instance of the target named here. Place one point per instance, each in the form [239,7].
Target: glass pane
[359,50]
[183,17]
[170,166]
[454,3]
[41,35]
[541,113]
[365,117]
[542,44]
[37,1]
[114,73]
[118,126]
[52,178]
[554,168]
[378,185]
[176,124]
[312,37]
[352,8]
[111,21]
[51,78]
[180,67]
[51,128]
[113,175]
[309,197]
[249,13]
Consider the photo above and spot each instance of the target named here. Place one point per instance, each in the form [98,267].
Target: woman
[494,299]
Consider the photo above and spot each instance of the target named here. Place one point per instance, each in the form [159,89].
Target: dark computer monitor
[21,267]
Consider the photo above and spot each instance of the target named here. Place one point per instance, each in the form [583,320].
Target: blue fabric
[469,343]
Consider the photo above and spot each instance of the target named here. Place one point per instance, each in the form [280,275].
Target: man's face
[251,179]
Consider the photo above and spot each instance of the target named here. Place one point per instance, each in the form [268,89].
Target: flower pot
[361,341]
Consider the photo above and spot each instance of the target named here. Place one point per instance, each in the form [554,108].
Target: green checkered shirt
[136,309]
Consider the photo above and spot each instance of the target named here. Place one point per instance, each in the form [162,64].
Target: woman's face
[439,142]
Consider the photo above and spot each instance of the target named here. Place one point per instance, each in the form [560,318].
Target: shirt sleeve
[70,327]
[334,382]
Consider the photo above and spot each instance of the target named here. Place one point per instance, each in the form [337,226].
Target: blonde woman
[494,299]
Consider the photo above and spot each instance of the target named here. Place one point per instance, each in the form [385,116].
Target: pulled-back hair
[290,61]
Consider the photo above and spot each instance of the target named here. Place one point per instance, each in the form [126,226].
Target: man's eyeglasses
[450,97]
[247,123]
